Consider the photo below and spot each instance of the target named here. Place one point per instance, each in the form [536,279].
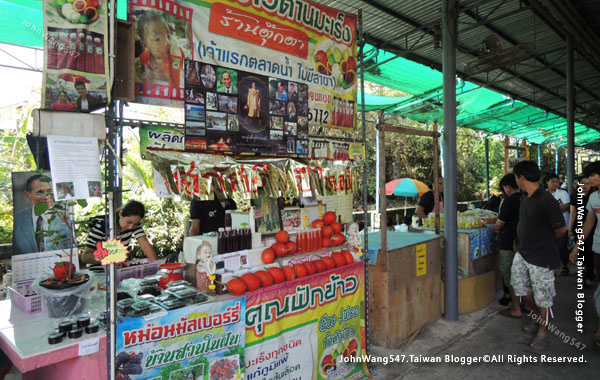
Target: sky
[19,85]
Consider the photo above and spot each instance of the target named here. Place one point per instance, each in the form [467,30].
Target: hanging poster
[75,73]
[269,63]
[160,138]
[203,341]
[322,320]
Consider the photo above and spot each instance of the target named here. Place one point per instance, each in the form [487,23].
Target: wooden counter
[400,301]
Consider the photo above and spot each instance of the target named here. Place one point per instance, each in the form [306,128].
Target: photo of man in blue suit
[28,228]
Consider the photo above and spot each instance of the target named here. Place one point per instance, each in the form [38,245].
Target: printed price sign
[421,260]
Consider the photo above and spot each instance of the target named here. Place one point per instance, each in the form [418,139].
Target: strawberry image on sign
[61,270]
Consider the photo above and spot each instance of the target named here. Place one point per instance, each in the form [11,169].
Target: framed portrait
[290,218]
[266,214]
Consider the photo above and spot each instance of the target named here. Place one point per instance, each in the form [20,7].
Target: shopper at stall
[588,262]
[209,216]
[540,225]
[127,222]
[592,172]
[426,203]
[506,224]
[562,197]
[29,228]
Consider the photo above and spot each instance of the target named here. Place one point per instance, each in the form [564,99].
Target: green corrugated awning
[476,107]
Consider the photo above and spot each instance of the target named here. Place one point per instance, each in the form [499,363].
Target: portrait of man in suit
[84,101]
[31,232]
[227,81]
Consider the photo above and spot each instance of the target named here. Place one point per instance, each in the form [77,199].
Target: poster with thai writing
[300,55]
[160,138]
[309,328]
[195,342]
[75,73]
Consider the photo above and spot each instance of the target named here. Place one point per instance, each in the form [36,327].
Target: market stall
[279,280]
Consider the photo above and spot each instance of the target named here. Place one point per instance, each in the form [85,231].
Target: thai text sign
[198,341]
[308,328]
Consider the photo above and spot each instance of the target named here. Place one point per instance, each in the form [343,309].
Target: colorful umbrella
[405,187]
[67,77]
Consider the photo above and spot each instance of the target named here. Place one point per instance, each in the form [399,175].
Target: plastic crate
[31,304]
[142,269]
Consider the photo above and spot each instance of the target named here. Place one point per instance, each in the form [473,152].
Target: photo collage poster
[229,110]
[75,72]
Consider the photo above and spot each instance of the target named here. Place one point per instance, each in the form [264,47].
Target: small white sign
[88,347]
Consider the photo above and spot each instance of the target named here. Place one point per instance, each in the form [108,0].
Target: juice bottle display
[99,56]
[61,62]
[80,65]
[52,50]
[72,51]
[89,54]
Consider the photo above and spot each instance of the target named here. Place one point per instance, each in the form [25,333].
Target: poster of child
[164,41]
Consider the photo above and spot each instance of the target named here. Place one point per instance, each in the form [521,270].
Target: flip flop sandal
[530,327]
[538,344]
[507,313]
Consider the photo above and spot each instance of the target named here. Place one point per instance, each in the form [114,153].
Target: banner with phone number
[308,328]
[259,72]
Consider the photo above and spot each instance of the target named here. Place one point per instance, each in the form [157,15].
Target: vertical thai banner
[309,328]
[75,55]
[163,39]
[195,342]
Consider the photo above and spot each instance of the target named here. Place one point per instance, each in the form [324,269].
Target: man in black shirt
[506,224]
[426,203]
[540,225]
[209,216]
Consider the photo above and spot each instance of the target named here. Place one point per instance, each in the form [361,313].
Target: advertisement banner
[259,73]
[159,138]
[75,73]
[308,328]
[195,342]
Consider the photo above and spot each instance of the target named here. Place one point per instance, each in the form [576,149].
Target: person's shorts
[528,278]
[506,261]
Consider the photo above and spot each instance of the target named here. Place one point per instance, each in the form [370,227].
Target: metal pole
[365,203]
[112,293]
[449,34]
[377,166]
[539,150]
[570,116]
[487,167]
[381,184]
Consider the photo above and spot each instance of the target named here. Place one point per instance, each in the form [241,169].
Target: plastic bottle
[227,239]
[227,219]
[52,50]
[89,54]
[71,51]
[61,61]
[234,241]
[80,61]
[220,241]
[99,55]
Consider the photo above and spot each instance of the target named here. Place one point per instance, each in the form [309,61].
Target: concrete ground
[485,332]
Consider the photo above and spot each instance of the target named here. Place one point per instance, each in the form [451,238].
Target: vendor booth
[277,289]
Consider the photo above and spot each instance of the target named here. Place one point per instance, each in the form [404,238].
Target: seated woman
[127,225]
[63,103]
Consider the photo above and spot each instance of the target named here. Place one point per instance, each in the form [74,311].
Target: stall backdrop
[75,51]
[308,329]
[251,75]
[195,342]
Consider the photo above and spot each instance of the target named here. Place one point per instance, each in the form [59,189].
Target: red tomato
[278,274]
[325,242]
[348,256]
[268,256]
[329,217]
[337,227]
[310,267]
[236,287]
[326,231]
[61,269]
[320,265]
[290,273]
[280,249]
[339,259]
[329,262]
[317,223]
[282,237]
[266,279]
[337,239]
[252,281]
[290,248]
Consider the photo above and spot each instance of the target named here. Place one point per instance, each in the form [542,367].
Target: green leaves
[40,208]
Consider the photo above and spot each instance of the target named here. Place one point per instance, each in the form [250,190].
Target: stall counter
[24,339]
[404,285]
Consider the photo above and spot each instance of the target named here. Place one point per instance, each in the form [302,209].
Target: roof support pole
[539,150]
[487,166]
[570,115]
[449,36]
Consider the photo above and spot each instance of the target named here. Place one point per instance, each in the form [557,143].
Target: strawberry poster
[308,329]
[75,76]
[204,341]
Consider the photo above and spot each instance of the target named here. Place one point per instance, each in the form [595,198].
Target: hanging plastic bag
[66,299]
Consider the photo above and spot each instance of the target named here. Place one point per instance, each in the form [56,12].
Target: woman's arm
[88,257]
[147,248]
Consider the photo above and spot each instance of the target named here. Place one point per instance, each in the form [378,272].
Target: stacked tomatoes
[331,230]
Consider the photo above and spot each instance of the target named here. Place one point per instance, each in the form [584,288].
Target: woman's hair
[133,208]
[64,92]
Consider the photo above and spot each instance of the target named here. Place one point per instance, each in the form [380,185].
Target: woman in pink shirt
[63,103]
